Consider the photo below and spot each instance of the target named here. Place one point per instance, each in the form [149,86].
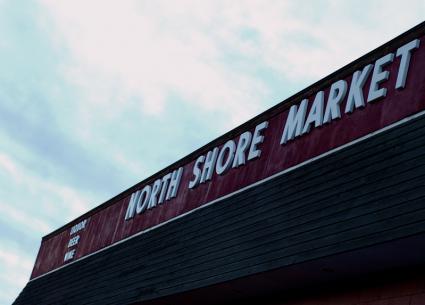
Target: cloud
[52,197]
[152,53]
[15,268]
[150,50]
[8,165]
[27,222]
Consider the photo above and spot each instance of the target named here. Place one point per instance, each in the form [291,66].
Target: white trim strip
[243,189]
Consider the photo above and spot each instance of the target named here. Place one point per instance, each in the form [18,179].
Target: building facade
[319,200]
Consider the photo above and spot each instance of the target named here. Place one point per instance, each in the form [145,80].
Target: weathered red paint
[107,225]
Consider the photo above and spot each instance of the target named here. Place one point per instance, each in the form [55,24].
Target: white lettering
[131,208]
[69,255]
[154,194]
[316,113]
[209,164]
[355,96]
[257,138]
[142,199]
[378,77]
[227,150]
[78,227]
[164,187]
[336,95]
[73,241]
[405,53]
[174,183]
[243,145]
[196,172]
[294,122]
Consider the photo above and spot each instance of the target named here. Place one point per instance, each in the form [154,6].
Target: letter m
[295,122]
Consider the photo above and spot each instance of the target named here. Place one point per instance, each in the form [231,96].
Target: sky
[96,95]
